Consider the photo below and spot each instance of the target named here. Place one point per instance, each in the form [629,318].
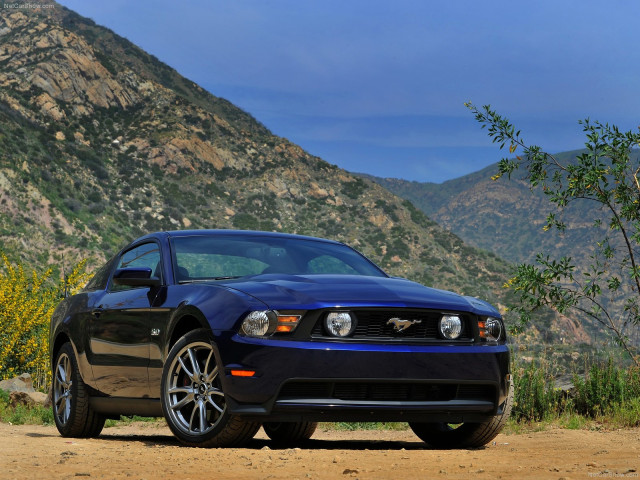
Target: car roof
[238,233]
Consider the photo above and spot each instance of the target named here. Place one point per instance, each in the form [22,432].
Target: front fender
[217,308]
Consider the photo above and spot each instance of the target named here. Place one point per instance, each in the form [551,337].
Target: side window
[145,255]
[101,277]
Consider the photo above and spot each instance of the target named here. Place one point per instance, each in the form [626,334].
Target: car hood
[308,292]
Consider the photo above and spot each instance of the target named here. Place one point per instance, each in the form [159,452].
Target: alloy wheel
[62,384]
[194,394]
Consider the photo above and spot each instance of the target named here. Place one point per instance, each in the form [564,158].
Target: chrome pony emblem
[400,325]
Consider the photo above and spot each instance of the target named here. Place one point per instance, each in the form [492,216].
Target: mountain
[506,217]
[100,142]
[503,216]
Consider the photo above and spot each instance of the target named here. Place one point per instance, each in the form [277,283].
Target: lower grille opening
[386,391]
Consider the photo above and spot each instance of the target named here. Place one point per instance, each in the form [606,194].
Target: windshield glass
[219,257]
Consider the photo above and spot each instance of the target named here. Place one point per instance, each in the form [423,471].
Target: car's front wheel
[193,400]
[289,432]
[72,412]
[464,435]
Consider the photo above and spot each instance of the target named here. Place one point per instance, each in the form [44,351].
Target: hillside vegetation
[505,217]
[100,142]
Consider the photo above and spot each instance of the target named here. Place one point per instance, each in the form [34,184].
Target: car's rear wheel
[72,412]
[464,435]
[193,400]
[289,432]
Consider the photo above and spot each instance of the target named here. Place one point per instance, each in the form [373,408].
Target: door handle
[96,312]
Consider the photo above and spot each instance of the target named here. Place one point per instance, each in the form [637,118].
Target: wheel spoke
[184,367]
[211,377]
[215,391]
[206,366]
[181,390]
[192,418]
[187,399]
[202,409]
[215,405]
[63,377]
[62,401]
[194,364]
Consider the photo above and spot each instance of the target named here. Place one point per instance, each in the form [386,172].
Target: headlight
[339,324]
[490,329]
[259,323]
[450,326]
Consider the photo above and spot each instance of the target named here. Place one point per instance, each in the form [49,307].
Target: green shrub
[606,388]
[20,415]
[535,396]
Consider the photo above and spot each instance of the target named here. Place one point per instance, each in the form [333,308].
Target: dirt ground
[149,451]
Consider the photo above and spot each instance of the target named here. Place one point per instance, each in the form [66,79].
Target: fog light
[259,323]
[450,326]
[339,324]
[490,329]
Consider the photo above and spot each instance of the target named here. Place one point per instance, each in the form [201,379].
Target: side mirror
[135,277]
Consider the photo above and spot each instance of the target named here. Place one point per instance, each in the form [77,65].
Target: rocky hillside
[100,142]
[504,216]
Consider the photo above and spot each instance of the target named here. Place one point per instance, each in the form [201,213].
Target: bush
[535,397]
[22,414]
[27,302]
[606,389]
[607,393]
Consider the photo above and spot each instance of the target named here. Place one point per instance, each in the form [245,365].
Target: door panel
[120,334]
[119,342]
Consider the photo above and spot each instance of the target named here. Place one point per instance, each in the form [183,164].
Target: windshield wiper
[208,279]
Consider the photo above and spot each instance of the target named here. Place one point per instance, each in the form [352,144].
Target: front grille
[375,324]
[385,391]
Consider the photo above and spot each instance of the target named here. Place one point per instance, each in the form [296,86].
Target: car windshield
[221,257]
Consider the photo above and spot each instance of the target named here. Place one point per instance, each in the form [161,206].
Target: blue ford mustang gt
[222,332]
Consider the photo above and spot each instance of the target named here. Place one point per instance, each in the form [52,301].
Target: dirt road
[148,451]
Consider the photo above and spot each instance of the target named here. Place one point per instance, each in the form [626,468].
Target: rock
[73,73]
[40,398]
[22,383]
[49,107]
[21,392]
[20,398]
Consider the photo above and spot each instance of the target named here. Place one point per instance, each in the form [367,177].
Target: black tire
[193,401]
[72,412]
[289,432]
[464,435]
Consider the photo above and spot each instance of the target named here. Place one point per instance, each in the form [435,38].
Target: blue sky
[378,86]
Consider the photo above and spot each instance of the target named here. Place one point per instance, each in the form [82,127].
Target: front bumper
[347,381]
